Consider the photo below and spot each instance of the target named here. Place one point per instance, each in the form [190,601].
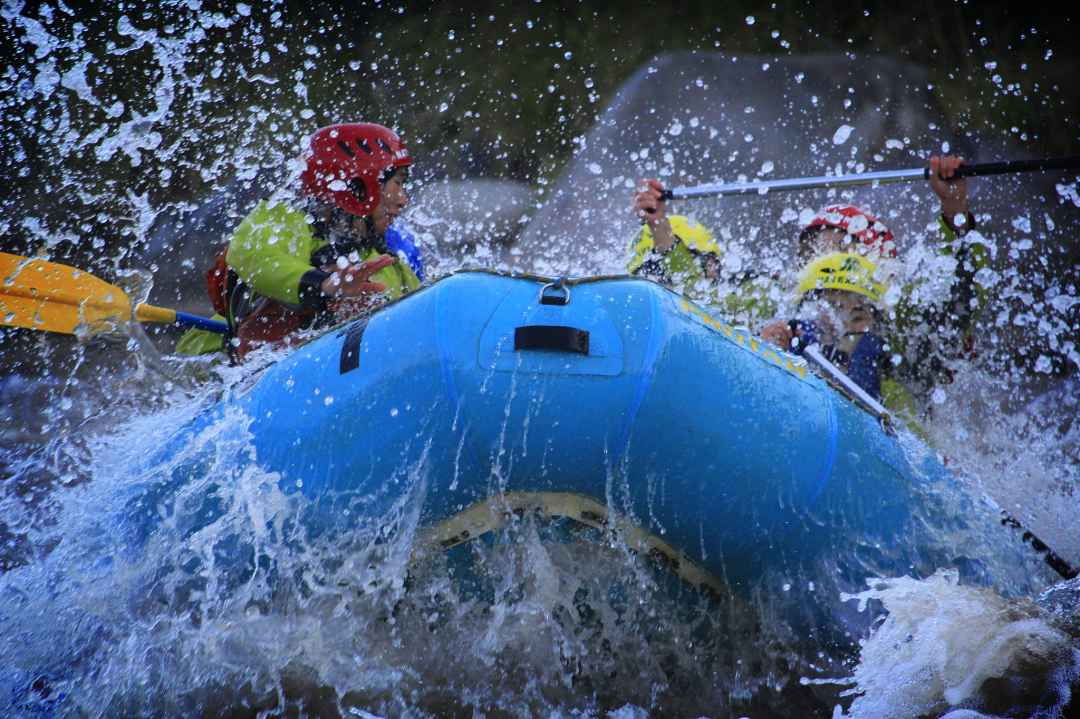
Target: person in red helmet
[848,258]
[329,255]
[845,228]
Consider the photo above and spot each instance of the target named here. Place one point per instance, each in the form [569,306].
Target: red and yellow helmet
[346,164]
[876,239]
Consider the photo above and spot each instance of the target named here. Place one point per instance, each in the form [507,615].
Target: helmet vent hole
[346,149]
[358,189]
[383,145]
[362,143]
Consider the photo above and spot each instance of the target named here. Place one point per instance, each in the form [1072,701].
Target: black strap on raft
[551,337]
[350,349]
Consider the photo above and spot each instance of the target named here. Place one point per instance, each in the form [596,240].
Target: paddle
[841,378]
[49,296]
[1052,558]
[866,178]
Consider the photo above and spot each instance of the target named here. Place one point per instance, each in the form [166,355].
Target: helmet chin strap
[343,232]
[366,237]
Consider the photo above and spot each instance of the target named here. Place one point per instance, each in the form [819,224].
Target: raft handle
[551,337]
[546,299]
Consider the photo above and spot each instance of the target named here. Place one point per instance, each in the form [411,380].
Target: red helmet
[859,224]
[346,163]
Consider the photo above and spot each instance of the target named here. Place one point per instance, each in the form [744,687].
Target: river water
[121,596]
[99,617]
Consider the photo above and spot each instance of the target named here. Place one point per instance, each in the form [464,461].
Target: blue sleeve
[865,362]
[401,242]
[864,365]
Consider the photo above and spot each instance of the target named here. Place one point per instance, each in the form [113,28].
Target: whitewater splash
[954,651]
[99,619]
[193,586]
[230,606]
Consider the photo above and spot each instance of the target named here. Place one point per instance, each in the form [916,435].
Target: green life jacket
[271,252]
[755,301]
[691,267]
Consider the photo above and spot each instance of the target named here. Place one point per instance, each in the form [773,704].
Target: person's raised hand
[354,280]
[950,189]
[778,333]
[648,202]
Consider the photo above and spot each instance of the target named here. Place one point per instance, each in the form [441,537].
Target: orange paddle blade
[49,296]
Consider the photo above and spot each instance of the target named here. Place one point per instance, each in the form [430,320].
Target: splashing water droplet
[1068,192]
[842,134]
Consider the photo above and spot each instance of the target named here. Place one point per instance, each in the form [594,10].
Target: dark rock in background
[691,118]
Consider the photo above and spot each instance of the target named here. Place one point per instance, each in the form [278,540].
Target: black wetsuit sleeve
[311,294]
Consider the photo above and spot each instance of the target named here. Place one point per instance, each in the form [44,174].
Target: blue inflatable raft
[611,402]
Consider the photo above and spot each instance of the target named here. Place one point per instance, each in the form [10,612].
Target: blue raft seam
[444,352]
[648,371]
[831,444]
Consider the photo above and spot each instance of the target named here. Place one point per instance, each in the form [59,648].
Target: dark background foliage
[498,89]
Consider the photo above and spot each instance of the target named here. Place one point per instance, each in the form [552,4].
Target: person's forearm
[952,208]
[663,237]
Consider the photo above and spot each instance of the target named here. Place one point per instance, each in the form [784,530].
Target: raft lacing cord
[566,282]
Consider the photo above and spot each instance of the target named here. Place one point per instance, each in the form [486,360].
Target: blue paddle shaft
[203,323]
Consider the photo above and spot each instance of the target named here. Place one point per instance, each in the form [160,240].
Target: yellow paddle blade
[49,296]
